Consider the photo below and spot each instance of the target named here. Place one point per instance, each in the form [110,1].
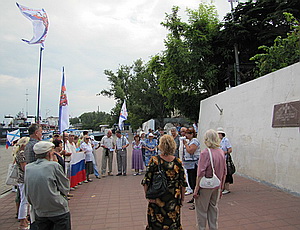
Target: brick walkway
[114,203]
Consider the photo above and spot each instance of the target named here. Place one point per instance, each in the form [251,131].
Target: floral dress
[165,213]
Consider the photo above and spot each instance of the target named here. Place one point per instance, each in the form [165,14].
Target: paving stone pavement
[118,203]
[5,159]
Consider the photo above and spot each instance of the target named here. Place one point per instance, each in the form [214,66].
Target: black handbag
[230,165]
[158,185]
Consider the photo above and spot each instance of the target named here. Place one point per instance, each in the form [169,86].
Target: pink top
[204,166]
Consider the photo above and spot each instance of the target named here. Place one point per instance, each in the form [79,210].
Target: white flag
[123,116]
[63,107]
[39,21]
[12,136]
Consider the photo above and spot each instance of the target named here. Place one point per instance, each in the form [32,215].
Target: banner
[12,136]
[123,115]
[63,122]
[39,21]
[77,168]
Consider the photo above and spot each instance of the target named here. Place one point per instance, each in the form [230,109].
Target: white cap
[42,147]
[150,135]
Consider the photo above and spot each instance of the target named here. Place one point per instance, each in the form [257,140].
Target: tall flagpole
[37,120]
[40,24]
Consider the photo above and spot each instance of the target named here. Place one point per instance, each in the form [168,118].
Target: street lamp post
[236,53]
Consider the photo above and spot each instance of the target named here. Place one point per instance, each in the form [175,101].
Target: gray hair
[174,129]
[32,128]
[41,156]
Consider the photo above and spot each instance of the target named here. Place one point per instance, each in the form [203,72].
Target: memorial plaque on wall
[286,115]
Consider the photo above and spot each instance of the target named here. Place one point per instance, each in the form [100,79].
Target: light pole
[26,102]
[236,52]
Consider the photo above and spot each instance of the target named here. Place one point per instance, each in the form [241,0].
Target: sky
[86,37]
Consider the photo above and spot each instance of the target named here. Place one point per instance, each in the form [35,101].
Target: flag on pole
[11,137]
[40,24]
[63,122]
[123,116]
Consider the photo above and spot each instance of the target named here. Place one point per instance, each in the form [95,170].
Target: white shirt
[182,147]
[88,150]
[121,141]
[108,142]
[68,148]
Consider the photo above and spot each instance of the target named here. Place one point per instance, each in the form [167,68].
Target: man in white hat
[46,188]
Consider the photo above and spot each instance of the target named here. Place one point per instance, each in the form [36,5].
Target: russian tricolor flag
[77,169]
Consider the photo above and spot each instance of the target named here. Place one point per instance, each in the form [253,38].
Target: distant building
[51,122]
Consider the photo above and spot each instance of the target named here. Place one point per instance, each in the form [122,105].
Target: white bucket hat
[221,130]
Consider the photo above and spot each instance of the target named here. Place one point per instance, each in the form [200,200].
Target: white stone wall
[259,151]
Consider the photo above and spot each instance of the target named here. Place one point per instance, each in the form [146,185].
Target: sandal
[192,207]
[191,201]
[24,227]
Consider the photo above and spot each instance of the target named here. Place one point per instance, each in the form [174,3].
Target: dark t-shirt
[60,160]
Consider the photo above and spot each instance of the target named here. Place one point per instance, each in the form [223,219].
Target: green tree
[186,71]
[139,87]
[74,120]
[254,24]
[92,120]
[284,51]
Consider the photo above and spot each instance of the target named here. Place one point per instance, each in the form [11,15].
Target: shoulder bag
[230,166]
[159,183]
[212,182]
[12,174]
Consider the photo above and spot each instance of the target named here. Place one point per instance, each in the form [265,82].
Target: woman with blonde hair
[18,152]
[206,200]
[164,211]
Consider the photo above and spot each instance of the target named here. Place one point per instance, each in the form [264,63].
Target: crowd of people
[45,173]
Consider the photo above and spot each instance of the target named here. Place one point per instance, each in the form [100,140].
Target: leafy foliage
[284,51]
[198,59]
[185,69]
[92,120]
[139,87]
[74,120]
[251,25]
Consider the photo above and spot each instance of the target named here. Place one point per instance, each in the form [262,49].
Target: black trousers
[192,177]
[62,222]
